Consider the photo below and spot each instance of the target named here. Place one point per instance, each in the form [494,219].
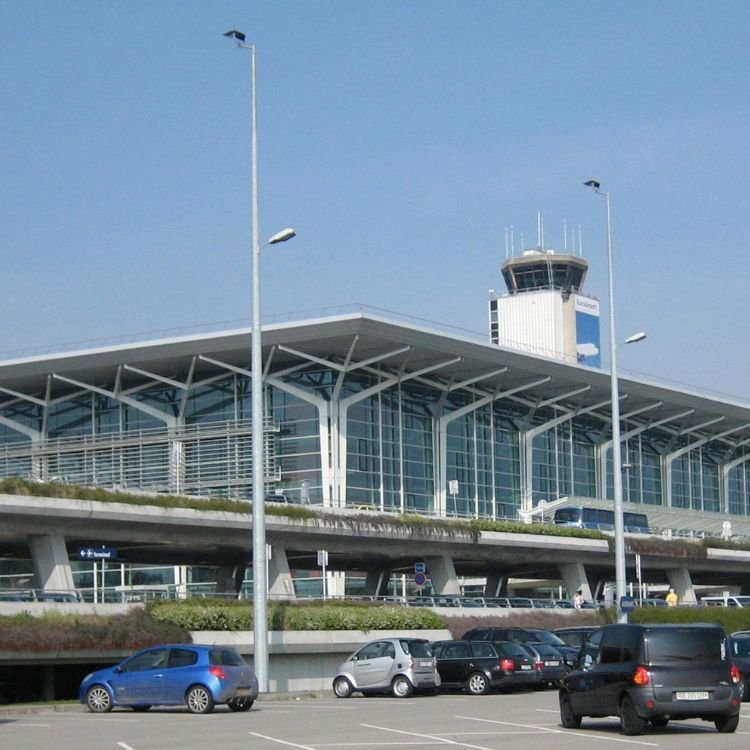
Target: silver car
[389,665]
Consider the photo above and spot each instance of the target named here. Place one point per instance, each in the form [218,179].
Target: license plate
[553,663]
[525,666]
[242,691]
[425,663]
[694,695]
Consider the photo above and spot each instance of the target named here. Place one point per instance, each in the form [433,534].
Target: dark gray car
[480,666]
[652,674]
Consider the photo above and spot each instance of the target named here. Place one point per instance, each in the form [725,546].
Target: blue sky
[400,139]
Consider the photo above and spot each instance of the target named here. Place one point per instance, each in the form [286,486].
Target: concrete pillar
[496,585]
[48,688]
[443,575]
[280,584]
[680,581]
[51,564]
[376,583]
[229,579]
[574,578]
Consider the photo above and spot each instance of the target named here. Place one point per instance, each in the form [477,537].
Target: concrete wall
[307,661]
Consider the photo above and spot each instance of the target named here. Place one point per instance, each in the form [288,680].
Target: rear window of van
[685,645]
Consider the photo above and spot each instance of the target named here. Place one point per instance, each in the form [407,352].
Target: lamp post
[620,581]
[260,578]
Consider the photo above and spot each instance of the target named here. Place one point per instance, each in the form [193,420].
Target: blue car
[196,676]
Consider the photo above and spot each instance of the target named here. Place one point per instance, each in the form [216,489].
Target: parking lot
[492,722]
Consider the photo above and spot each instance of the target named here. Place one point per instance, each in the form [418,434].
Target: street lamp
[620,582]
[260,582]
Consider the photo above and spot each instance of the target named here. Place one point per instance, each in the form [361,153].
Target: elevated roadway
[52,531]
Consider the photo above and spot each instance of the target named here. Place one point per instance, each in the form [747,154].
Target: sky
[401,139]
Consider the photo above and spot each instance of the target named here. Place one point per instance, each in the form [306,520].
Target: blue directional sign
[627,603]
[97,553]
[420,567]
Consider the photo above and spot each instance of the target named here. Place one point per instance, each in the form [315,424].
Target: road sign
[627,603]
[97,553]
[322,558]
[419,567]
[420,579]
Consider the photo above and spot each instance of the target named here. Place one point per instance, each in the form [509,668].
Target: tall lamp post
[260,582]
[620,582]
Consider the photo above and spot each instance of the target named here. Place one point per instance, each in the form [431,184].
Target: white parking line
[561,731]
[124,746]
[281,742]
[442,740]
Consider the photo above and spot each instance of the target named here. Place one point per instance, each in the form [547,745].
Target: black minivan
[651,674]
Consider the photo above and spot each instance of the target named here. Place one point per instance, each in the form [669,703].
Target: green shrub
[203,614]
[730,618]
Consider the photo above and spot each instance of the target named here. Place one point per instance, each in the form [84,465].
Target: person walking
[578,599]
[672,598]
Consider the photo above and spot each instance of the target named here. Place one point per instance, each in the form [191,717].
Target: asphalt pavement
[528,721]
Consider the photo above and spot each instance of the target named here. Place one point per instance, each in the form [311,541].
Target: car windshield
[417,648]
[512,649]
[546,650]
[684,645]
[544,636]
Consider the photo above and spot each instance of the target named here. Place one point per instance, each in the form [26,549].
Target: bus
[581,517]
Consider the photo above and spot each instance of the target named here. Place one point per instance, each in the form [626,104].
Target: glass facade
[564,462]
[360,436]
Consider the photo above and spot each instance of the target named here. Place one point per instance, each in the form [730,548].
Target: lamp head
[238,36]
[282,236]
[593,184]
[635,337]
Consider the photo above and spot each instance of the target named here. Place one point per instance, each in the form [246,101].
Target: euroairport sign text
[97,553]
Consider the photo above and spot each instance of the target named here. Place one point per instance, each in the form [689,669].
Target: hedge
[219,614]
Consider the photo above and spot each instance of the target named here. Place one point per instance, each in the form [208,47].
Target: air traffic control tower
[544,310]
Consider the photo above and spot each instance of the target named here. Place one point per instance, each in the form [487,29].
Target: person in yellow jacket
[672,598]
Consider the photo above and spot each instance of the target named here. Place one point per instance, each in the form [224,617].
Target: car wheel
[727,724]
[98,699]
[342,687]
[199,700]
[477,684]
[140,709]
[659,723]
[744,690]
[240,704]
[568,717]
[630,723]
[401,686]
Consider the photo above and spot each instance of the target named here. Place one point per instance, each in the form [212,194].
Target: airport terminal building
[365,412]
